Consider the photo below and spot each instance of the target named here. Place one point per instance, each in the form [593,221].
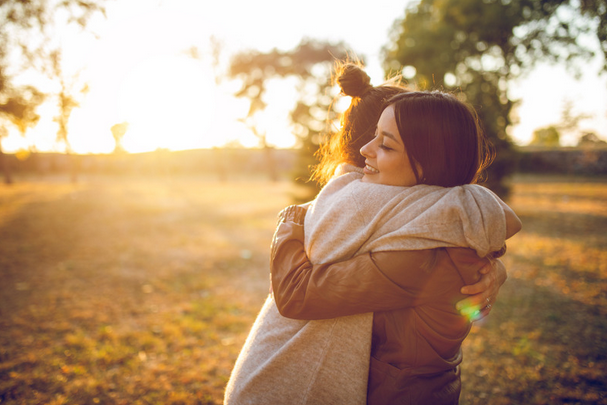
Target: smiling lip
[370,169]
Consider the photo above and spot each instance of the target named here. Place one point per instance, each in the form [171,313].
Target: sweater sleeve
[366,283]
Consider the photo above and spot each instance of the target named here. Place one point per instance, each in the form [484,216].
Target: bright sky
[138,72]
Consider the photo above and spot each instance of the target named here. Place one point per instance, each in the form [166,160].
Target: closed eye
[384,147]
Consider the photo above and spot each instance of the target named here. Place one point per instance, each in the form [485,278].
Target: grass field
[142,291]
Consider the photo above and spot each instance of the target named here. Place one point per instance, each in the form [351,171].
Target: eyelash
[384,147]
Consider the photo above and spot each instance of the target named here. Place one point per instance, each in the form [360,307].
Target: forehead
[387,124]
[387,115]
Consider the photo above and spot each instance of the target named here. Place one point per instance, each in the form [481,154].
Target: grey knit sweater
[287,361]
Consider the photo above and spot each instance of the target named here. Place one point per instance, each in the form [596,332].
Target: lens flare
[472,312]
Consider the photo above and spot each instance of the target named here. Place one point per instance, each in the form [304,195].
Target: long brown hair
[358,122]
[443,136]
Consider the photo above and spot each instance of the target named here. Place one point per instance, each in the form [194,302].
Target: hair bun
[353,81]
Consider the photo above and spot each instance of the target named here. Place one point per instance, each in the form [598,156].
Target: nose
[366,150]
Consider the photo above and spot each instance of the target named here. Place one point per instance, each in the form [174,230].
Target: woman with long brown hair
[327,361]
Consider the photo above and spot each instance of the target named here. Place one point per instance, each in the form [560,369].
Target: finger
[485,311]
[474,301]
[470,305]
[475,313]
[472,313]
[481,314]
[487,268]
[482,285]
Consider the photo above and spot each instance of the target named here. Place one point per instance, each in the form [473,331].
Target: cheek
[395,168]
[404,172]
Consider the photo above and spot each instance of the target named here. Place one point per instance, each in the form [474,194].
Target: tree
[570,121]
[118,132]
[310,63]
[216,51]
[475,47]
[551,135]
[24,36]
[66,96]
[19,109]
[548,136]
[25,26]
[591,140]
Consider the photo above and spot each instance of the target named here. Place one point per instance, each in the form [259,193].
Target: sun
[169,103]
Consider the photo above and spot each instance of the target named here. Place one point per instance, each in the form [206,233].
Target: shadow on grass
[32,241]
[571,225]
[537,347]
[128,294]
[544,342]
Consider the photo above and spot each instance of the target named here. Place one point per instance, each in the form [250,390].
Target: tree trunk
[6,169]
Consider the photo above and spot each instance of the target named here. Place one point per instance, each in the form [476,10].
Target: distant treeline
[274,163]
[221,163]
[574,161]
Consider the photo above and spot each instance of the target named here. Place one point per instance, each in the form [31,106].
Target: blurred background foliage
[314,112]
[472,48]
[27,42]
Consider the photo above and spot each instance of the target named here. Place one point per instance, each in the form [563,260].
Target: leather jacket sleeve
[369,282]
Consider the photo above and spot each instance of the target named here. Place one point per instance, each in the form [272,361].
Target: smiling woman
[169,103]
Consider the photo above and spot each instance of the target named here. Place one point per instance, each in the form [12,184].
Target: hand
[483,294]
[293,213]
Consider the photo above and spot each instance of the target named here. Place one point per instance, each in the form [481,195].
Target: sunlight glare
[169,103]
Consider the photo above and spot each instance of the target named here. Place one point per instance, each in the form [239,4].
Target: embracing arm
[366,283]
[484,293]
[358,285]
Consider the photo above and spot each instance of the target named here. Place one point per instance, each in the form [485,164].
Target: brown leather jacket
[417,332]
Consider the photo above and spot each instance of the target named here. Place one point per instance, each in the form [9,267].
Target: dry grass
[545,341]
[142,291]
[129,291]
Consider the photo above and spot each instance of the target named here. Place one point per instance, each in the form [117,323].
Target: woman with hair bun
[326,360]
[358,122]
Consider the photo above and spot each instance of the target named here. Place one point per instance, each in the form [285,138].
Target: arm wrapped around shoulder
[368,282]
